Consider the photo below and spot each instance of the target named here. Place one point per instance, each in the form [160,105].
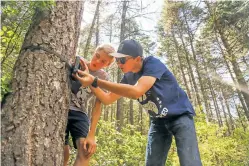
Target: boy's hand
[72,60]
[90,146]
[83,65]
[84,77]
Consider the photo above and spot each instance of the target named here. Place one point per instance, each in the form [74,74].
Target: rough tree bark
[34,116]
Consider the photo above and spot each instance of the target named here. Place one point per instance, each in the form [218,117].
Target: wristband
[95,82]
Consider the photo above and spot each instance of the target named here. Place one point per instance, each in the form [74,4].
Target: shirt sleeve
[103,75]
[124,80]
[106,76]
[154,67]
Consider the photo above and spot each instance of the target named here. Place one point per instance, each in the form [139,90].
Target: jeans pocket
[184,120]
[190,116]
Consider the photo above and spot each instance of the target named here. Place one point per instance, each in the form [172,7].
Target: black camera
[75,84]
[76,66]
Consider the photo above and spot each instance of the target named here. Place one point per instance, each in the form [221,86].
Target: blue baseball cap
[128,48]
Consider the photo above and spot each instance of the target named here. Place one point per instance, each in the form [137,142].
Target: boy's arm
[130,91]
[126,90]
[90,139]
[105,97]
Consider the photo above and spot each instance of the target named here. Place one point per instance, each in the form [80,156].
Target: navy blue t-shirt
[165,99]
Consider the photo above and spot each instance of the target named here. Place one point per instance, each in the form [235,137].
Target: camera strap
[33,47]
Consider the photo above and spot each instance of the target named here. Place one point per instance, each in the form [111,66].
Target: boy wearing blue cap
[150,82]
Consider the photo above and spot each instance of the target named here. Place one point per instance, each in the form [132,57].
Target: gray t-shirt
[81,100]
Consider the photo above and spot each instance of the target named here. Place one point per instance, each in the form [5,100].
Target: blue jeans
[160,139]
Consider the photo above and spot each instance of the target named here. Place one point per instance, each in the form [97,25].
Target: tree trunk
[237,90]
[112,112]
[114,104]
[103,113]
[107,113]
[240,117]
[242,85]
[119,114]
[34,117]
[97,31]
[216,108]
[140,119]
[131,112]
[225,115]
[120,101]
[127,113]
[172,65]
[228,109]
[88,41]
[192,89]
[191,70]
[245,62]
[181,64]
[231,74]
[210,116]
[196,64]
[208,109]
[110,25]
[241,81]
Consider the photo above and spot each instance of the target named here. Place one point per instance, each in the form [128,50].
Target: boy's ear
[138,58]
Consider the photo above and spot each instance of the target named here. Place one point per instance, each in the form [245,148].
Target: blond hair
[108,49]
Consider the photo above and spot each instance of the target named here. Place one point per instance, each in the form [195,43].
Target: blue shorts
[77,125]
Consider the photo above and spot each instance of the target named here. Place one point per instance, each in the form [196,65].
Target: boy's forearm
[96,112]
[119,89]
[101,95]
